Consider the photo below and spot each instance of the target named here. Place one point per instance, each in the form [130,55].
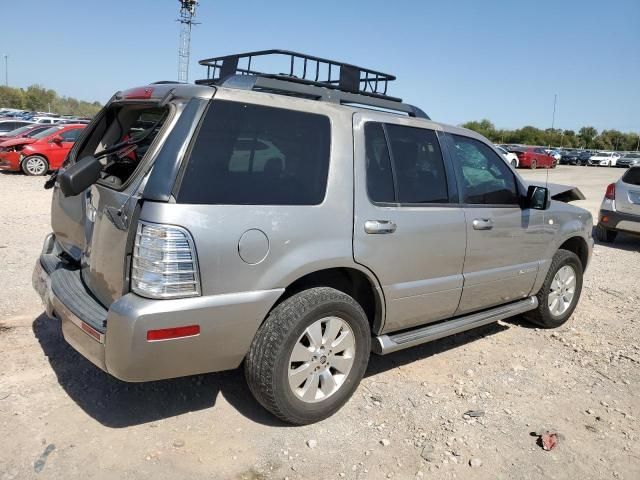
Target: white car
[511,157]
[604,159]
[46,120]
[554,153]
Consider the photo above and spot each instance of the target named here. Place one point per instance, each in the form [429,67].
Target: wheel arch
[577,245]
[360,285]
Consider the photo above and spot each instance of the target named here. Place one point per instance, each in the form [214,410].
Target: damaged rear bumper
[115,339]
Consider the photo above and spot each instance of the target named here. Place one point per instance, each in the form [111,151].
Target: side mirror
[537,198]
[57,139]
[79,176]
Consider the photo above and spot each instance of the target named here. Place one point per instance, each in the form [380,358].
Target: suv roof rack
[308,76]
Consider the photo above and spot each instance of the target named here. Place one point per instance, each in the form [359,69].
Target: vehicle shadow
[117,404]
[629,243]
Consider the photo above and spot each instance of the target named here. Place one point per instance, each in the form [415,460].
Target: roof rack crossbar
[339,75]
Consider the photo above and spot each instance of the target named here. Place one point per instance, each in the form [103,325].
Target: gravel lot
[62,418]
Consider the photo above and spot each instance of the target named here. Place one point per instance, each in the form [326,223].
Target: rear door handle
[482,224]
[379,226]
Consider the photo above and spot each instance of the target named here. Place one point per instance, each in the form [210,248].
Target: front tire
[309,355]
[514,164]
[559,295]
[35,165]
[534,164]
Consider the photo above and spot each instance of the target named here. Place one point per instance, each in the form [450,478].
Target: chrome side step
[390,343]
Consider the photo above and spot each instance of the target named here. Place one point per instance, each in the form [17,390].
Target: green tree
[587,135]
[11,97]
[38,98]
[483,127]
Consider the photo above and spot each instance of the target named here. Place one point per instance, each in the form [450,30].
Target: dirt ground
[60,417]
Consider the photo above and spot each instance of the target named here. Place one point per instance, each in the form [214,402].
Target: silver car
[620,209]
[293,223]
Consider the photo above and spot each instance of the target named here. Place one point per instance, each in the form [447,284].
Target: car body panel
[418,287]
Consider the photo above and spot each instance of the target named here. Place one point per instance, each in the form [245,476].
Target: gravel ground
[62,418]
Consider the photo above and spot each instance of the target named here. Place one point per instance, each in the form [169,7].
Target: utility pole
[553,121]
[187,12]
[6,70]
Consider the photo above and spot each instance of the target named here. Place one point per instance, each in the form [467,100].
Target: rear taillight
[164,262]
[610,194]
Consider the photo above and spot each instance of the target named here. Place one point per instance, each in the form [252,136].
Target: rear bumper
[621,222]
[117,342]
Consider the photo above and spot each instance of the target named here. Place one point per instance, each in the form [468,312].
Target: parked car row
[534,157]
[10,119]
[35,149]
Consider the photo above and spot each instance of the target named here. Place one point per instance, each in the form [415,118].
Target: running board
[391,343]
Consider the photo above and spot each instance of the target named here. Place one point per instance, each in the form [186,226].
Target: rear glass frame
[91,129]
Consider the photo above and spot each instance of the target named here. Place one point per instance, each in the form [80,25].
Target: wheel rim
[321,359]
[35,166]
[562,291]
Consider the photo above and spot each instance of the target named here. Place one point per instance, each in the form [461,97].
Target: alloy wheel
[321,359]
[562,290]
[35,166]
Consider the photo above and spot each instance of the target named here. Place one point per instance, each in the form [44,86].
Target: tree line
[40,99]
[586,137]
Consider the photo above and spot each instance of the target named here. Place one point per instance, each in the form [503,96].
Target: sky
[457,60]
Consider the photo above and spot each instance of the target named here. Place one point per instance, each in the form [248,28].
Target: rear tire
[563,283]
[605,235]
[514,164]
[35,165]
[314,323]
[534,164]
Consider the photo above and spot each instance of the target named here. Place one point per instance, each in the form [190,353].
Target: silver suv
[620,209]
[295,223]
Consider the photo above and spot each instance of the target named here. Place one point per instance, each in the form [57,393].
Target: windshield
[632,155]
[46,133]
[17,131]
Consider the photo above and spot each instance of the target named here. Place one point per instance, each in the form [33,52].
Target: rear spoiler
[561,193]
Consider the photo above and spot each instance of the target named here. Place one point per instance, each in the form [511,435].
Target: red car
[26,131]
[533,157]
[43,152]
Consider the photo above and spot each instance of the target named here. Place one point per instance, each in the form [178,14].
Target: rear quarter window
[632,177]
[247,154]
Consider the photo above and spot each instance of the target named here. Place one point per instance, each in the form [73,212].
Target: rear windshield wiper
[131,141]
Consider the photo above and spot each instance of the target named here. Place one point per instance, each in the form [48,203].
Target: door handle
[379,226]
[482,224]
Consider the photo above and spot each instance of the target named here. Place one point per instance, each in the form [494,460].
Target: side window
[418,165]
[70,135]
[486,178]
[249,154]
[379,174]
